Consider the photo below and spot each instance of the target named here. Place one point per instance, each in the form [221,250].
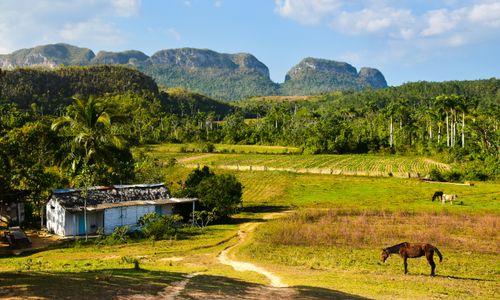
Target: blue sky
[433,40]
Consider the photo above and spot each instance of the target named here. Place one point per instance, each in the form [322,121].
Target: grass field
[327,246]
[341,223]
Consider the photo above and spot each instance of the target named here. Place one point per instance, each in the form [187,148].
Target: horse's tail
[438,253]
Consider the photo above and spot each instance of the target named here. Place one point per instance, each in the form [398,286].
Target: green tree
[220,194]
[193,180]
[93,143]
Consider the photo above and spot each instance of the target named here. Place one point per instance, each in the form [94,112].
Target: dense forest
[75,126]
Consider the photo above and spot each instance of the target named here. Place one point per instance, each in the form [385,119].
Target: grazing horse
[447,197]
[407,250]
[437,195]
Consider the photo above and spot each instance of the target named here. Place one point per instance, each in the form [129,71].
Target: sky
[432,40]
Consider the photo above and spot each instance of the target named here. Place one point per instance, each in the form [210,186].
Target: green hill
[50,89]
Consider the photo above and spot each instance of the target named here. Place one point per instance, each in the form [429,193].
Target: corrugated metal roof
[98,195]
[108,187]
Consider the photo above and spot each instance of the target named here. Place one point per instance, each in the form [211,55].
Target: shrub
[220,193]
[436,175]
[217,193]
[131,260]
[156,226]
[203,218]
[119,236]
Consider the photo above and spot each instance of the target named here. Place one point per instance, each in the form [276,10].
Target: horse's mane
[395,248]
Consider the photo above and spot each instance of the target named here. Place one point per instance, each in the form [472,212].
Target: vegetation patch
[362,229]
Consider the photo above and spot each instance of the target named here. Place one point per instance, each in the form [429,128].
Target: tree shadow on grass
[464,278]
[143,284]
[103,284]
[266,208]
[218,287]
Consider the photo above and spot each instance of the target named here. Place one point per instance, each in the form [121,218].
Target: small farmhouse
[12,207]
[70,213]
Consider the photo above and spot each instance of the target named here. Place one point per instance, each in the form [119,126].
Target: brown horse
[437,195]
[407,250]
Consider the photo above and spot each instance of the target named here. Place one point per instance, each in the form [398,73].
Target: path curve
[191,158]
[240,266]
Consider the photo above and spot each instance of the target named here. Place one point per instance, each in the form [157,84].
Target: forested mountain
[52,89]
[314,76]
[218,75]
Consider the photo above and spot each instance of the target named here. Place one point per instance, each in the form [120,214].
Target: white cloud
[307,12]
[25,23]
[442,21]
[406,32]
[91,31]
[486,13]
[374,21]
[174,33]
[126,8]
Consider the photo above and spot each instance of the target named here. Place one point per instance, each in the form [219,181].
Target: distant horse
[407,250]
[449,198]
[437,195]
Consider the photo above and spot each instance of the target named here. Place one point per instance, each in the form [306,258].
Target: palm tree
[87,124]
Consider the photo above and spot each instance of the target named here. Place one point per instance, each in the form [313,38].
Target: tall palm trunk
[447,131]
[391,132]
[463,129]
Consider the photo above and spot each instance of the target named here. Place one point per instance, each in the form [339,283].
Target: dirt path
[175,289]
[224,256]
[191,158]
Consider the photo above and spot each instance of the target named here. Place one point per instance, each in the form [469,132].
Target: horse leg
[405,264]
[430,259]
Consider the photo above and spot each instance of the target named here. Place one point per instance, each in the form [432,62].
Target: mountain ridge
[219,75]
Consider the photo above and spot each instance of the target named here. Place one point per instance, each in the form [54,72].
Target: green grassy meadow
[327,243]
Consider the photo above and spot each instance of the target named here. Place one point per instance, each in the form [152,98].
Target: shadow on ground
[218,287]
[266,208]
[143,284]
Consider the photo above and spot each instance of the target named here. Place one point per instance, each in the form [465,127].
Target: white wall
[124,216]
[64,223]
[56,216]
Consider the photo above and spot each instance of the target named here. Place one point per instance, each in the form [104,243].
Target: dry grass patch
[361,229]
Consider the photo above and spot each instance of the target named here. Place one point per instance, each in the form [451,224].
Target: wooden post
[19,213]
[74,226]
[193,211]
[41,216]
[85,217]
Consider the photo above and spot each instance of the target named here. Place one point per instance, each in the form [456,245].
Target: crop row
[372,164]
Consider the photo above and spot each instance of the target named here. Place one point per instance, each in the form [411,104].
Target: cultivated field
[358,165]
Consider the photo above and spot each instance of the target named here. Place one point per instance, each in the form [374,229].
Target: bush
[119,236]
[203,218]
[436,175]
[207,147]
[220,193]
[156,226]
[131,260]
